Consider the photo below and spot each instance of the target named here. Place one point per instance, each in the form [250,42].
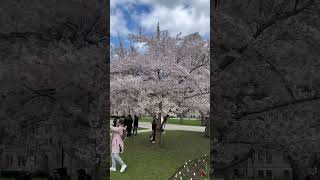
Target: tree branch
[152,114]
[274,69]
[267,109]
[228,60]
[25,35]
[203,93]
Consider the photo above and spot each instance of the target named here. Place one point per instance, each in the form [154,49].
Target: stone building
[42,153]
[265,164]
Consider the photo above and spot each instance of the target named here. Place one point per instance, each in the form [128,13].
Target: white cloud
[187,16]
[118,23]
[140,46]
[112,44]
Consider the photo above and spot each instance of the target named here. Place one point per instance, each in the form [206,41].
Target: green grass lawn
[146,161]
[186,121]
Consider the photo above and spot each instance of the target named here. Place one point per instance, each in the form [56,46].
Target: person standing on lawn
[117,145]
[135,124]
[205,124]
[129,125]
[125,121]
[153,135]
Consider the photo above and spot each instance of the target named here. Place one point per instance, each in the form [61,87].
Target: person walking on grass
[135,125]
[129,126]
[117,145]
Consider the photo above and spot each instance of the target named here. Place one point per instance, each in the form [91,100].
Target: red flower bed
[193,169]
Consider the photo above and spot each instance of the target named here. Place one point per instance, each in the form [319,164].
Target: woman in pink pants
[117,145]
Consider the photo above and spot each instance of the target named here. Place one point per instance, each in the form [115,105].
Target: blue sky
[185,16]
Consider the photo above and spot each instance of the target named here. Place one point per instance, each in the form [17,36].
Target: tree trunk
[62,157]
[298,172]
[181,118]
[26,153]
[228,174]
[318,170]
[97,173]
[159,129]
[253,172]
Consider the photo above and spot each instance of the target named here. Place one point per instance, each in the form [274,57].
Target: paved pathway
[147,125]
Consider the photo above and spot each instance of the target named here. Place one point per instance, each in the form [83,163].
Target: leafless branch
[274,69]
[282,105]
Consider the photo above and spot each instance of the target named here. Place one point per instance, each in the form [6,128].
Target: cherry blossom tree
[167,78]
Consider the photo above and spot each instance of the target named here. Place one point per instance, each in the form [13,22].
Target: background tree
[54,70]
[265,89]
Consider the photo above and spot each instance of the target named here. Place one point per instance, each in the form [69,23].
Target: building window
[260,173]
[260,156]
[268,157]
[269,173]
[9,160]
[286,173]
[284,157]
[236,172]
[21,161]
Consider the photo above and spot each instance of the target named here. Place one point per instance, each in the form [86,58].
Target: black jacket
[165,119]
[114,122]
[136,122]
[130,121]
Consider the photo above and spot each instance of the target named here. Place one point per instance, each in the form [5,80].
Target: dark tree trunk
[317,176]
[97,173]
[297,172]
[228,174]
[62,157]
